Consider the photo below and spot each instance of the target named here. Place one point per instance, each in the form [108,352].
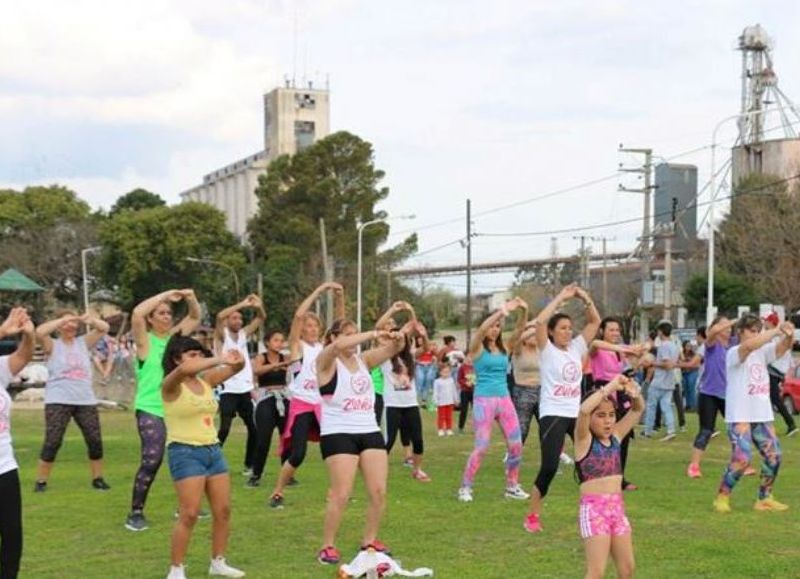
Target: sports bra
[600,462]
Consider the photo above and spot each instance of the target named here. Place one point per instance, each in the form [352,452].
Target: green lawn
[72,531]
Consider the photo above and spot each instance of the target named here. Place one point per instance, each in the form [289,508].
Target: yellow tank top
[190,417]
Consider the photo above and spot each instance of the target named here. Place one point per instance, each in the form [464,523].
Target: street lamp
[84,253]
[220,264]
[713,182]
[361,228]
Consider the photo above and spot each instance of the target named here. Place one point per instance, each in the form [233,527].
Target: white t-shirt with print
[561,372]
[747,395]
[399,391]
[7,460]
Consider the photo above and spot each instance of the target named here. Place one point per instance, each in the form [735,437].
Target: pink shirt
[605,365]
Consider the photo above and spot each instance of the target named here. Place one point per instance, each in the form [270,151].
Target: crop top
[600,462]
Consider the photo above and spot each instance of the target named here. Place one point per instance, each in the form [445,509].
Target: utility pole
[644,246]
[668,261]
[604,240]
[468,315]
[328,272]
[388,288]
[583,252]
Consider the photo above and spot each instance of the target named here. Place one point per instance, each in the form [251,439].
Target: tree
[43,230]
[759,239]
[730,292]
[137,200]
[334,179]
[145,253]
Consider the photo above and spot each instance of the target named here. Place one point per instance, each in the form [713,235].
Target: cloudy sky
[503,102]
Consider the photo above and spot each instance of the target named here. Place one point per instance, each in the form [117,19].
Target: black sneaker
[100,484]
[293,482]
[40,486]
[136,521]
[253,482]
[276,501]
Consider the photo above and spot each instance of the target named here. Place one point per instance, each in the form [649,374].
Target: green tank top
[377,380]
[149,375]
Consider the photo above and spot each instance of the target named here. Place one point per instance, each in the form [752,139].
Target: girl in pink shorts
[603,525]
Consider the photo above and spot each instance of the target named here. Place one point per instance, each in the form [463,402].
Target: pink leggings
[487,409]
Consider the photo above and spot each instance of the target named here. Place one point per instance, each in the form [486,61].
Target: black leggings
[409,422]
[552,432]
[777,404]
[10,524]
[229,406]
[153,436]
[707,408]
[56,420]
[526,403]
[301,429]
[267,419]
[466,402]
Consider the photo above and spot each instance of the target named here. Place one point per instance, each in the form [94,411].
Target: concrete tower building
[294,118]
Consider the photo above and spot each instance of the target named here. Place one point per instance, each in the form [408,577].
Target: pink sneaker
[532,524]
[693,471]
[420,475]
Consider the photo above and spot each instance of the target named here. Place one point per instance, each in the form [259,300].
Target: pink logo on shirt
[757,373]
[359,383]
[5,407]
[571,372]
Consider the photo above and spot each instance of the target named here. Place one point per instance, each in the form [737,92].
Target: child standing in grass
[603,525]
[445,395]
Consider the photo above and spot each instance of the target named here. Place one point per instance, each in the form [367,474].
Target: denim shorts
[186,460]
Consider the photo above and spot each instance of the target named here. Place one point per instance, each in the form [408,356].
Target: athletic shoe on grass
[532,523]
[100,484]
[328,555]
[136,521]
[276,501]
[516,492]
[693,471]
[465,495]
[220,568]
[770,504]
[722,504]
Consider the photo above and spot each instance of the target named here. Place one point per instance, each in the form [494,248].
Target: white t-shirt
[399,391]
[445,392]
[242,381]
[7,460]
[747,396]
[561,372]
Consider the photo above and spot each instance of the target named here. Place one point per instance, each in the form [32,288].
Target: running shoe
[449,433]
[378,546]
[465,495]
[693,471]
[667,437]
[177,572]
[409,462]
[276,501]
[564,458]
[100,484]
[293,482]
[40,486]
[253,482]
[792,432]
[329,555]
[247,471]
[420,475]
[749,471]
[770,504]
[715,434]
[722,504]
[516,492]
[220,568]
[532,523]
[441,433]
[136,521]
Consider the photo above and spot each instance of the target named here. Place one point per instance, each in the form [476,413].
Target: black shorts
[331,444]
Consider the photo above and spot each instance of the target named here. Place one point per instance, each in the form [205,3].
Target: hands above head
[788,329]
[232,357]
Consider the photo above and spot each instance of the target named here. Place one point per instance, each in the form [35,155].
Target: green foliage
[137,200]
[42,231]
[730,291]
[145,253]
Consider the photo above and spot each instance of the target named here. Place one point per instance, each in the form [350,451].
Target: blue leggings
[743,436]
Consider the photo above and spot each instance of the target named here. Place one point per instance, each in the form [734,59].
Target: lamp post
[361,228]
[220,264]
[710,309]
[84,253]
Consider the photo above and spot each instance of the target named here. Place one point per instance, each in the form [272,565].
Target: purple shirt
[714,379]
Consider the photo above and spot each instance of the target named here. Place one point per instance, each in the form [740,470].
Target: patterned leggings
[56,420]
[153,434]
[487,409]
[742,436]
[526,403]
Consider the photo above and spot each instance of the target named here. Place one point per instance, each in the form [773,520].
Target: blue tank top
[600,462]
[490,372]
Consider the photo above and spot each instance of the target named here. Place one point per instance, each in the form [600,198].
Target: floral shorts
[603,514]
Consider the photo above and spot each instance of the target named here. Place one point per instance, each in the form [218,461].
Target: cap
[772,318]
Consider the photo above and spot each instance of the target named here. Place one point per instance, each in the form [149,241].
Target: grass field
[74,532]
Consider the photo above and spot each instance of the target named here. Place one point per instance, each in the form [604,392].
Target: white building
[294,118]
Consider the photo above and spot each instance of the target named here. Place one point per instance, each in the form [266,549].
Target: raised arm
[592,315]
[326,360]
[396,307]
[18,322]
[139,319]
[96,327]
[299,317]
[214,371]
[338,301]
[631,418]
[476,345]
[520,326]
[785,345]
[548,311]
[714,331]
[222,316]
[44,331]
[260,317]
[752,344]
[374,357]
[192,320]
[583,434]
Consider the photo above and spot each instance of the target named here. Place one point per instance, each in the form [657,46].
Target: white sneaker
[247,471]
[465,495]
[669,436]
[565,458]
[441,433]
[220,568]
[516,492]
[176,572]
[450,433]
